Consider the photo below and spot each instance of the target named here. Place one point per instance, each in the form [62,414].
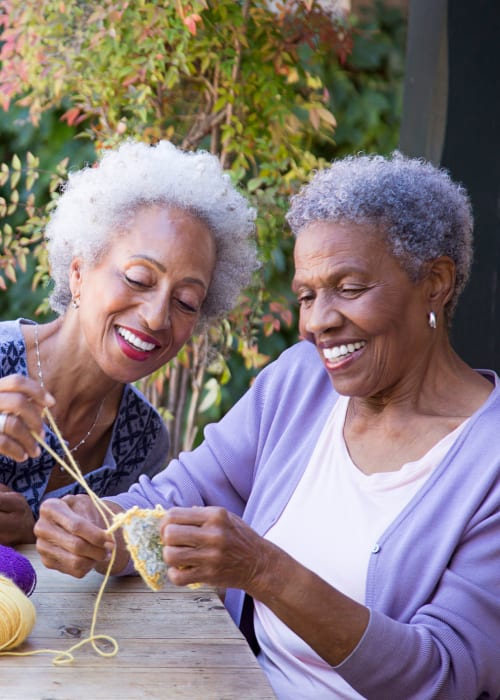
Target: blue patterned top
[139,441]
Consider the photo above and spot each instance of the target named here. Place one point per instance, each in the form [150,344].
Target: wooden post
[451,116]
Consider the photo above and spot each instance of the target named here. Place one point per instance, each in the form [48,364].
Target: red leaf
[71,116]
[190,22]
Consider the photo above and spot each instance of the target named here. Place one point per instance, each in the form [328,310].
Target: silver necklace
[40,377]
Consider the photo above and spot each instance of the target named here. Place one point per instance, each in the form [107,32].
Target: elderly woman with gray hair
[143,249]
[350,501]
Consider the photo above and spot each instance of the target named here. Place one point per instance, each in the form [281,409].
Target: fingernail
[48,399]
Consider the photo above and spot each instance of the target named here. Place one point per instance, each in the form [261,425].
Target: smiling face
[140,303]
[360,308]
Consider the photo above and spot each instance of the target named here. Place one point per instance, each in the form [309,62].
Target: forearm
[328,621]
[215,546]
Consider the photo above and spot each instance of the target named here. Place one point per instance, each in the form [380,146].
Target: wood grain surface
[176,644]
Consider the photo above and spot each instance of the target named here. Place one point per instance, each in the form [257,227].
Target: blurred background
[275,89]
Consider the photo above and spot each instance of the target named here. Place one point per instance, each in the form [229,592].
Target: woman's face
[140,303]
[360,308]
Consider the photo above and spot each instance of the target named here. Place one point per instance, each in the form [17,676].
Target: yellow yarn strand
[141,533]
[73,469]
[28,615]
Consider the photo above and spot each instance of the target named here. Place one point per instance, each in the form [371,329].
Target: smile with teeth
[342,350]
[136,342]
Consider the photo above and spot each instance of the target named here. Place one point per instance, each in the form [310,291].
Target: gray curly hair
[96,201]
[421,211]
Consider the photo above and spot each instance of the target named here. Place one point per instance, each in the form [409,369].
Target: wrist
[268,581]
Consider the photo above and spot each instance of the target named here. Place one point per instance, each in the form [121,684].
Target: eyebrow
[194,280]
[162,268]
[154,262]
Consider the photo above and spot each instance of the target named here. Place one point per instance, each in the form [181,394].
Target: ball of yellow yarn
[17,615]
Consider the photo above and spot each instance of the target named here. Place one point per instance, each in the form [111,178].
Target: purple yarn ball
[18,569]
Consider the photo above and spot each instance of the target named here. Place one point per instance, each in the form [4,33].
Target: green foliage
[19,240]
[366,90]
[262,89]
[34,185]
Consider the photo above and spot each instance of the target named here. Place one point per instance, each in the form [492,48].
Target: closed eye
[351,292]
[305,299]
[187,307]
[136,282]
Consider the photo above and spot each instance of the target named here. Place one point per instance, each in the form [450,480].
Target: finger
[26,411]
[11,501]
[55,557]
[83,506]
[60,528]
[18,385]
[16,440]
[16,518]
[14,510]
[22,401]
[5,518]
[174,535]
[193,548]
[77,522]
[183,576]
[196,515]
[193,527]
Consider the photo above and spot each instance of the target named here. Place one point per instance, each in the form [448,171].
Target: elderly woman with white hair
[144,248]
[350,501]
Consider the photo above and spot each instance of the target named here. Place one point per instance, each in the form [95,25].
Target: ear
[439,283]
[75,276]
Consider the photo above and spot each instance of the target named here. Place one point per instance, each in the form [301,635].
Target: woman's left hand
[16,518]
[212,546]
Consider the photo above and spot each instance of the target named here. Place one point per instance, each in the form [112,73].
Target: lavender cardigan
[433,584]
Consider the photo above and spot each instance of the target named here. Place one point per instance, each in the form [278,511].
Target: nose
[322,315]
[155,313]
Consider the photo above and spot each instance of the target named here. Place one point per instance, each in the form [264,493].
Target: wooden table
[174,644]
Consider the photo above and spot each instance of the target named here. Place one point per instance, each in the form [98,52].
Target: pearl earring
[432,319]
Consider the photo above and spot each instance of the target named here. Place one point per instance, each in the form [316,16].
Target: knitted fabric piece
[18,569]
[141,531]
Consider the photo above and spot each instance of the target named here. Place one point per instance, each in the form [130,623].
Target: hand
[16,518]
[71,536]
[213,546]
[22,400]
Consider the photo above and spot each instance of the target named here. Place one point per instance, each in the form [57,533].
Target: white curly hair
[421,211]
[98,200]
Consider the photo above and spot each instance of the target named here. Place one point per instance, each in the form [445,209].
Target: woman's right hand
[16,518]
[71,537]
[22,401]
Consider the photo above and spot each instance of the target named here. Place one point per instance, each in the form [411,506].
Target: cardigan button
[376,548]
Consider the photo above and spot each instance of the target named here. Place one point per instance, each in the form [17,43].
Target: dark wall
[452,116]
